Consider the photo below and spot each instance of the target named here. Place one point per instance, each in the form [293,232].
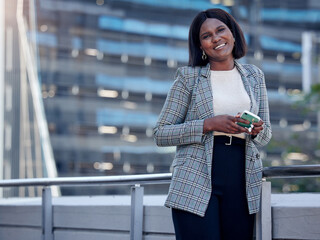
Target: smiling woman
[217,170]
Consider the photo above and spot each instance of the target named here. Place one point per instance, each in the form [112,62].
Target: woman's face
[216,40]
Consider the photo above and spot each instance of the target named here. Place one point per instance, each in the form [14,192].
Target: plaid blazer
[180,124]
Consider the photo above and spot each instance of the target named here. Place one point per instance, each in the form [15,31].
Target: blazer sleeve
[265,135]
[171,128]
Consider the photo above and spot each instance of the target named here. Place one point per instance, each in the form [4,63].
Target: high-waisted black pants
[227,216]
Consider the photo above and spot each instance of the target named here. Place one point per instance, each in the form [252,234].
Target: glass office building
[106,66]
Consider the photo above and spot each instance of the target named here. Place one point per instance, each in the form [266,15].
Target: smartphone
[251,117]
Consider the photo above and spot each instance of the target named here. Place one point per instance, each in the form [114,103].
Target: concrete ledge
[19,232]
[294,216]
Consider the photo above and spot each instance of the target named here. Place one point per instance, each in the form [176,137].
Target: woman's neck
[222,66]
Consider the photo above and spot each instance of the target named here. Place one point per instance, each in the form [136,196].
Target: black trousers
[227,216]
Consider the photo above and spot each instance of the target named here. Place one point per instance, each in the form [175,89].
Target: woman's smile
[220,46]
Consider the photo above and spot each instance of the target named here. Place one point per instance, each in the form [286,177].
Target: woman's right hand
[225,123]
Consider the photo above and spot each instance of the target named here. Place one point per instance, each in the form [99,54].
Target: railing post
[136,212]
[263,218]
[47,216]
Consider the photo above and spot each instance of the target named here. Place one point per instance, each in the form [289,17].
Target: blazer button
[258,155]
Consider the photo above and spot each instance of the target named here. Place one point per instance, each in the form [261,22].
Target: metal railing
[137,192]
[263,218]
[293,171]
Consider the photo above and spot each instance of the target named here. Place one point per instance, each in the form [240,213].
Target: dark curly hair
[195,53]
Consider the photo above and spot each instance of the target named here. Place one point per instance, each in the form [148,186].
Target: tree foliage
[313,98]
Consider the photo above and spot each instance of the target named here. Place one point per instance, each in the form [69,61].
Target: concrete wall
[295,216]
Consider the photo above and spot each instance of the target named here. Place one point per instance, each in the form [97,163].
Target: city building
[105,68]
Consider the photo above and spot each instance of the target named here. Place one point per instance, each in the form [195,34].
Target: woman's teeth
[221,45]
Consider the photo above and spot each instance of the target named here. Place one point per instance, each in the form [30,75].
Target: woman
[217,170]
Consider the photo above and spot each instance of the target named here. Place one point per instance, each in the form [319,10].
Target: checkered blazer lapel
[245,79]
[204,104]
[204,99]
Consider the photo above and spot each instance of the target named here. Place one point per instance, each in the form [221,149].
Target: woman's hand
[225,123]
[257,127]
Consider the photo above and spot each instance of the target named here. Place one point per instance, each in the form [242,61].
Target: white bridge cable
[2,64]
[32,72]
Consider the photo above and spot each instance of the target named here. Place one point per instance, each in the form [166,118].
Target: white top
[229,95]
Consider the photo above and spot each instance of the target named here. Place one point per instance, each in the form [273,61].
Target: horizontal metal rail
[160,178]
[294,171]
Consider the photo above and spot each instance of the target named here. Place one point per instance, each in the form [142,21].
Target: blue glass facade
[285,15]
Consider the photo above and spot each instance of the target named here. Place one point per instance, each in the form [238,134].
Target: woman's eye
[206,36]
[221,29]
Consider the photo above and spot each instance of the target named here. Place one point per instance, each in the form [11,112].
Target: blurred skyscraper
[105,68]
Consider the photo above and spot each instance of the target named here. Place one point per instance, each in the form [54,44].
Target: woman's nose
[215,38]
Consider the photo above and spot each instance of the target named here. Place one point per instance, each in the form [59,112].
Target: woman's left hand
[257,127]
